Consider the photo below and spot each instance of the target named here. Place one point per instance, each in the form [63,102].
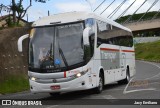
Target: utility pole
[48,13]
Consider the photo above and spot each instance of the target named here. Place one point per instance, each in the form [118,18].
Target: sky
[39,10]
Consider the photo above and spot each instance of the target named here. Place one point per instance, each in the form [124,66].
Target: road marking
[124,91]
[52,106]
[130,91]
[108,97]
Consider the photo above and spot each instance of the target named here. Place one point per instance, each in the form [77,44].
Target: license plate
[55,87]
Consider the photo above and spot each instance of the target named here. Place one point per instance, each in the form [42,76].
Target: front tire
[99,89]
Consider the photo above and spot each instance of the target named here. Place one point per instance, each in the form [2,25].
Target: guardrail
[145,39]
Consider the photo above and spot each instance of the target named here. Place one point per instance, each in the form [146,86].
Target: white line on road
[124,91]
[53,106]
[108,97]
[130,91]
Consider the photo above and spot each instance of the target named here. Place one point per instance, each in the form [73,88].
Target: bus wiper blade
[49,53]
[63,57]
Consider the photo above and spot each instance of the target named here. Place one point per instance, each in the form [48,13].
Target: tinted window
[114,36]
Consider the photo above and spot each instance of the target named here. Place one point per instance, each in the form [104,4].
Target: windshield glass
[57,47]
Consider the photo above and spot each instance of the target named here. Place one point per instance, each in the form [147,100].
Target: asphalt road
[144,85]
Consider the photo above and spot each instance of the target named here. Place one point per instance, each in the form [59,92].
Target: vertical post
[48,13]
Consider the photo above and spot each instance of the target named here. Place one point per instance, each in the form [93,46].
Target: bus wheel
[101,84]
[55,94]
[127,79]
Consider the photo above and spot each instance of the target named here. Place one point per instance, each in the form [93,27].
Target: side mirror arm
[20,40]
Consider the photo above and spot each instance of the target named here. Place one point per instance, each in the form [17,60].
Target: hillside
[13,65]
[148,51]
[136,17]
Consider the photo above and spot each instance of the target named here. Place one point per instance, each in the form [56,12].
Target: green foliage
[9,22]
[14,83]
[136,17]
[1,28]
[148,51]
[19,8]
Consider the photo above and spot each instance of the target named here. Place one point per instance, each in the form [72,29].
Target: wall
[145,39]
[11,61]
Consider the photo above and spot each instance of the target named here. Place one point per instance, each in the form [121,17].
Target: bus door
[123,63]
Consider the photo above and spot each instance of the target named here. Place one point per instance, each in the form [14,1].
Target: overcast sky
[39,10]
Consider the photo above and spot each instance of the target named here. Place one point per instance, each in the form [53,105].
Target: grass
[14,83]
[148,51]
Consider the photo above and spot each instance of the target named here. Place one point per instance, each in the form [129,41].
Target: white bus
[78,51]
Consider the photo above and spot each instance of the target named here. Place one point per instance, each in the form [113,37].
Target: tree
[19,9]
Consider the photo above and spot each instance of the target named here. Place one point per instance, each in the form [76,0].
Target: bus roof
[73,17]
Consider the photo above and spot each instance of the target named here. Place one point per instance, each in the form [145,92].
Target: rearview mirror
[20,40]
[86,34]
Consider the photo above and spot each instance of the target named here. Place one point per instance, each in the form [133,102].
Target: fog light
[79,75]
[33,78]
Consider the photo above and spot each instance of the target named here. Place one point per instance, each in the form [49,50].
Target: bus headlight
[80,74]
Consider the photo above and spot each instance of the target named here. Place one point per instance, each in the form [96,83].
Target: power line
[99,6]
[155,2]
[107,7]
[135,11]
[156,15]
[126,10]
[115,11]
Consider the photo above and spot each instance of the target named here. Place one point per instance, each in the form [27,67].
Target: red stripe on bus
[109,49]
[128,51]
[64,74]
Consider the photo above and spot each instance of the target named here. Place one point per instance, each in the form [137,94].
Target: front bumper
[80,83]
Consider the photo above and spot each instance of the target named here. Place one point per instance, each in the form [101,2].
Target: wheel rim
[128,78]
[100,84]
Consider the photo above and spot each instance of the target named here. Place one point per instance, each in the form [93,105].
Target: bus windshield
[56,47]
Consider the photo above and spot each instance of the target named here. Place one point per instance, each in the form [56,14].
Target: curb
[155,61]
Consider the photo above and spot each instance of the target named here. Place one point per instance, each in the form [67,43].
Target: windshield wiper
[63,57]
[49,53]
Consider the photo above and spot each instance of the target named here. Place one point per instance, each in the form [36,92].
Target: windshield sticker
[57,61]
